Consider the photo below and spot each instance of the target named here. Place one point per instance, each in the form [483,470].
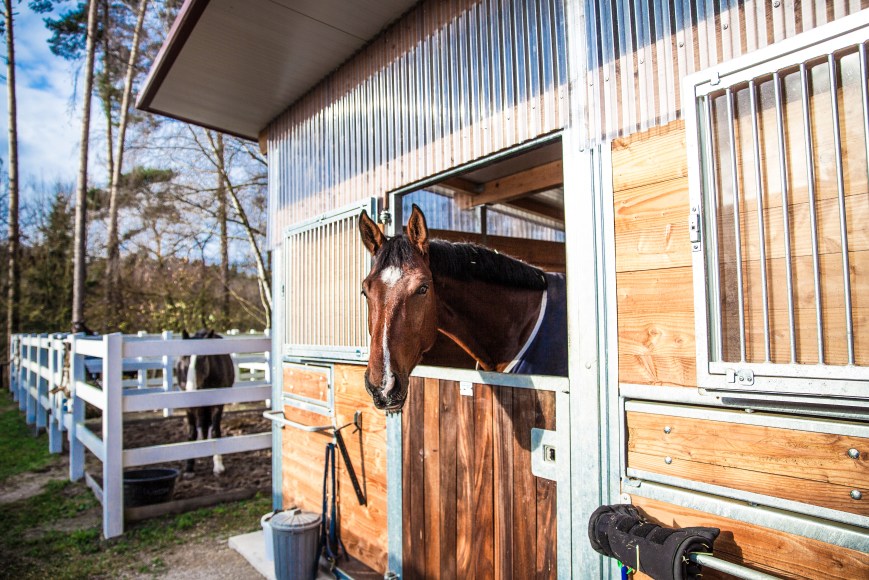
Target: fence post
[142,374]
[268,374]
[76,375]
[13,366]
[19,381]
[30,401]
[41,382]
[113,435]
[55,400]
[168,370]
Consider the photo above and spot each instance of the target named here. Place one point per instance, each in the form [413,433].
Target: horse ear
[184,334]
[372,237]
[417,230]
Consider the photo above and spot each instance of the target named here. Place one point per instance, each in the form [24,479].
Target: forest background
[171,217]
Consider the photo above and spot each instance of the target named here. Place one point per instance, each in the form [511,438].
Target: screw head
[856,494]
[667,429]
[668,460]
[853,453]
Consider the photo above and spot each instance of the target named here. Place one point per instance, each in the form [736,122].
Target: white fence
[95,376]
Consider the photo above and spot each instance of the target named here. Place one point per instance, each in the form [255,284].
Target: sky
[48,112]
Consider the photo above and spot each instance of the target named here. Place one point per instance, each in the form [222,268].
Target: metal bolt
[667,429]
[726,26]
[668,460]
[749,410]
[855,494]
[853,453]
[776,4]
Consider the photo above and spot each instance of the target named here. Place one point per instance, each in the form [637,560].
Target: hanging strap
[330,540]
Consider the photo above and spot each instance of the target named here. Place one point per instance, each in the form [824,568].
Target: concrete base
[252,546]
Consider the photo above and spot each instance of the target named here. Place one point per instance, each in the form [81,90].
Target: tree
[80,244]
[113,281]
[14,275]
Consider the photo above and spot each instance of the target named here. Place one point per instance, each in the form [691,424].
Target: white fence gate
[95,376]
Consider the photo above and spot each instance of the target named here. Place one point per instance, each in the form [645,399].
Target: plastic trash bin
[295,539]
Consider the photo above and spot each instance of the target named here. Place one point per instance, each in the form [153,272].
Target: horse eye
[422,289]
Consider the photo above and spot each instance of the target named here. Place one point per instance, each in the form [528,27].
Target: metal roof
[234,65]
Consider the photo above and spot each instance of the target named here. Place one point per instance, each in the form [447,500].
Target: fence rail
[52,376]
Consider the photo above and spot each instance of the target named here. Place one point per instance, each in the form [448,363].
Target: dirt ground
[249,470]
[199,557]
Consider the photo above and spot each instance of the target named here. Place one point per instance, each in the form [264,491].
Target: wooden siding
[807,467]
[363,528]
[472,508]
[653,259]
[780,554]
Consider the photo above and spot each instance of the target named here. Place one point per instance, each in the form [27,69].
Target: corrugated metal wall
[639,50]
[449,83]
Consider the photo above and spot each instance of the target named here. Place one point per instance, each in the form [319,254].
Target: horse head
[402,308]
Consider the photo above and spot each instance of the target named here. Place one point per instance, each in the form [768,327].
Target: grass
[20,451]
[57,532]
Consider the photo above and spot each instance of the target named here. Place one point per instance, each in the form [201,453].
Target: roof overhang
[235,65]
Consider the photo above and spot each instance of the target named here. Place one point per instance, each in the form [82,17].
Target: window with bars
[324,263]
[779,143]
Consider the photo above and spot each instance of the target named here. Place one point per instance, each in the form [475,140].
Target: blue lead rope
[332,545]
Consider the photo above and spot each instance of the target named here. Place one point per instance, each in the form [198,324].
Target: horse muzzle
[388,399]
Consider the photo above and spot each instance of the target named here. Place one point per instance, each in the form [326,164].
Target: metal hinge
[466,388]
[743,377]
[694,229]
[385,217]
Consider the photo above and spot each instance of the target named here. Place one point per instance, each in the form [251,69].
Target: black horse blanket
[545,351]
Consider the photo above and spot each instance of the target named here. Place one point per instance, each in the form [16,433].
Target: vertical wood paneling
[482,514]
[466,541]
[484,517]
[503,481]
[524,488]
[431,476]
[439,88]
[448,436]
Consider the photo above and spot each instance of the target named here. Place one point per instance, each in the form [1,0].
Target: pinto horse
[205,372]
[507,315]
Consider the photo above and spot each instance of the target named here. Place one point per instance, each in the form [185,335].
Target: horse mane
[464,261]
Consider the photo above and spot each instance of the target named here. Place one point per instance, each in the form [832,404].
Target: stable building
[699,172]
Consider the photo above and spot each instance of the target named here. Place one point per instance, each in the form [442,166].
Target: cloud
[49,123]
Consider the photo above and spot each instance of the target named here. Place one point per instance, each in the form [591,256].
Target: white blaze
[389,276]
[192,382]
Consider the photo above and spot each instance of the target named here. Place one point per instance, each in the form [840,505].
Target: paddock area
[127,381]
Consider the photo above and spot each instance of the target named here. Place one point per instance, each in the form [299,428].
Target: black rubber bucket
[149,486]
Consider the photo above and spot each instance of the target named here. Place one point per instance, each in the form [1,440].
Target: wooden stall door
[472,508]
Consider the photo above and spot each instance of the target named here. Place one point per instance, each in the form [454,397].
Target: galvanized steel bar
[843,223]
[761,230]
[786,222]
[864,94]
[734,570]
[813,217]
[712,230]
[740,290]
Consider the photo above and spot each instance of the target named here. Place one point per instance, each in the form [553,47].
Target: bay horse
[204,372]
[507,315]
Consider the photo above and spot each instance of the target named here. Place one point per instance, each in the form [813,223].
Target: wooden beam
[514,186]
[539,208]
[462,186]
